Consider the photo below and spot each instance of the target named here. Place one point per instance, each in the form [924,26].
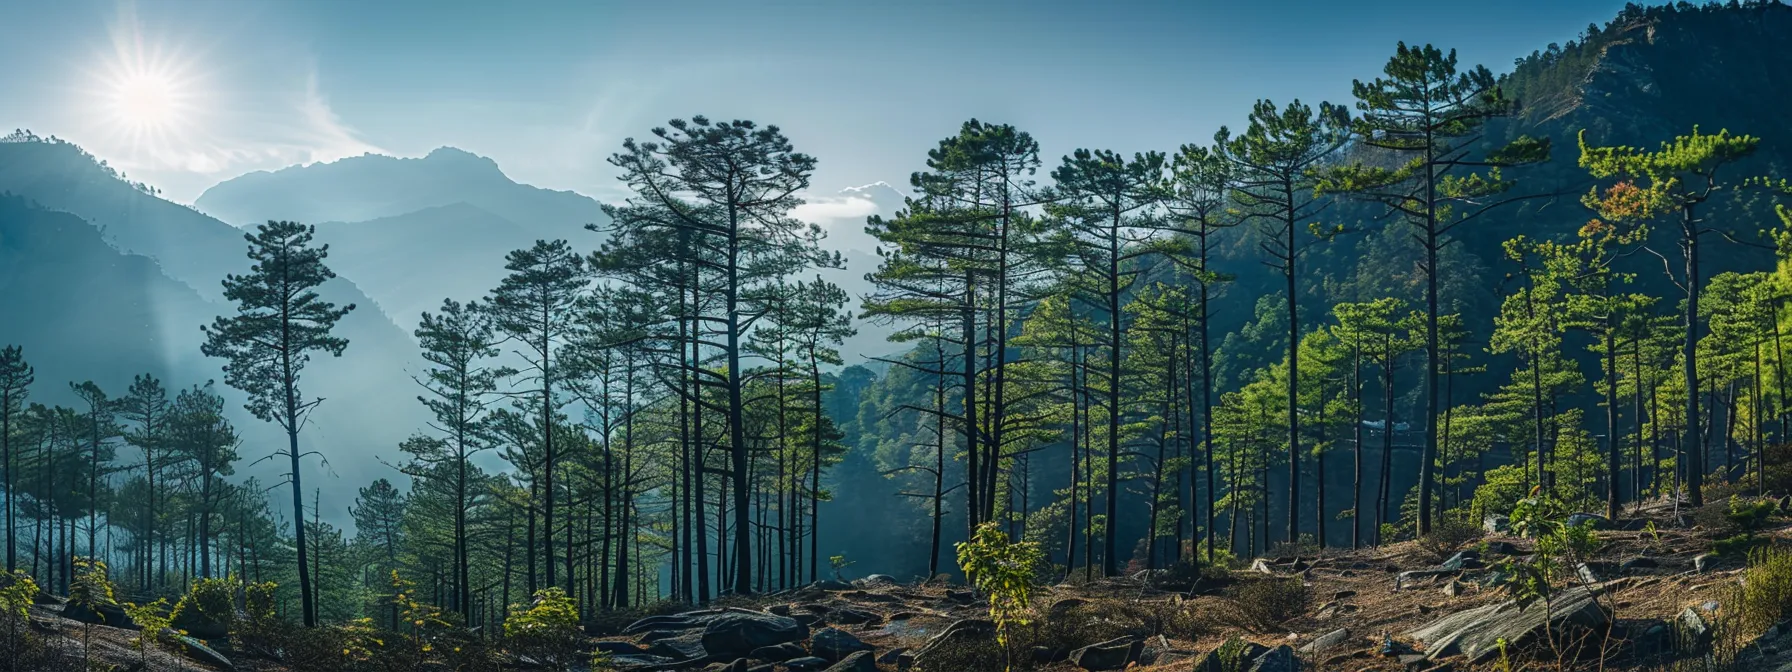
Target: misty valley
[1473,368]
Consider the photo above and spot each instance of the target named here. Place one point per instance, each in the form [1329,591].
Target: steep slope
[1643,78]
[371,405]
[462,266]
[374,187]
[84,311]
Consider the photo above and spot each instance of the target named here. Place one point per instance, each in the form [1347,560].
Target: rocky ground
[1649,600]
[1643,602]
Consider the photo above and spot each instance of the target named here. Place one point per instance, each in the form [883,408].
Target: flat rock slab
[1475,633]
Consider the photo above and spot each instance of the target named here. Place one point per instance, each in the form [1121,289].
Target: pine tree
[379,512]
[742,180]
[536,306]
[1672,182]
[205,443]
[16,377]
[1105,203]
[279,322]
[1273,163]
[1430,116]
[459,386]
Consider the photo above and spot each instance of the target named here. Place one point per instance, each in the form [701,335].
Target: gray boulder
[876,581]
[806,664]
[1468,559]
[1236,655]
[835,644]
[98,613]
[1694,630]
[1326,641]
[737,632]
[1704,562]
[197,650]
[860,661]
[1496,523]
[1279,659]
[716,634]
[1114,654]
[779,653]
[1475,633]
[959,633]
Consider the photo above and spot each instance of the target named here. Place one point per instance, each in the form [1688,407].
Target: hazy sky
[183,94]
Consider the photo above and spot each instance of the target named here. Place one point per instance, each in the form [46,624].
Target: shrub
[207,611]
[258,631]
[22,648]
[1766,590]
[1305,547]
[547,631]
[1504,487]
[1004,572]
[1272,601]
[1449,534]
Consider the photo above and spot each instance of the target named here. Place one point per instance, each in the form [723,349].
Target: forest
[1331,327]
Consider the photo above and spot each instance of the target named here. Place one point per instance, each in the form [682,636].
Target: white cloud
[826,210]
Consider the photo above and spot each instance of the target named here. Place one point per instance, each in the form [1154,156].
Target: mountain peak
[457,156]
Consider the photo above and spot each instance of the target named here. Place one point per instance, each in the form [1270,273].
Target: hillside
[1641,79]
[464,246]
[132,289]
[374,187]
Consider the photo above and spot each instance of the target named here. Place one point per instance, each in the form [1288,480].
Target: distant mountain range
[373,187]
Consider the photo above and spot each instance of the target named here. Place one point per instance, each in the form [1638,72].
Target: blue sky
[549,89]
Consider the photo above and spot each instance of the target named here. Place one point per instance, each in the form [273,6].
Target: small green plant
[90,586]
[1504,664]
[16,597]
[602,661]
[838,563]
[1003,571]
[1232,654]
[1560,547]
[1748,517]
[155,630]
[547,631]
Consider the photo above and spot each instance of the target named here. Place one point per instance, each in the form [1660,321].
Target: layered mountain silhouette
[102,280]
[460,250]
[373,187]
[411,232]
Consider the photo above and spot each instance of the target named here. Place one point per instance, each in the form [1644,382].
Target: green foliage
[259,628]
[1766,596]
[18,594]
[208,604]
[90,585]
[546,631]
[1003,571]
[839,563]
[1231,655]
[1560,547]
[154,623]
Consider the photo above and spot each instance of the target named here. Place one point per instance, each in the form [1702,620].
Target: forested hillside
[1337,326]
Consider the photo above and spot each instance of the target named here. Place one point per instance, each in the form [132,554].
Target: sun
[147,95]
[146,102]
